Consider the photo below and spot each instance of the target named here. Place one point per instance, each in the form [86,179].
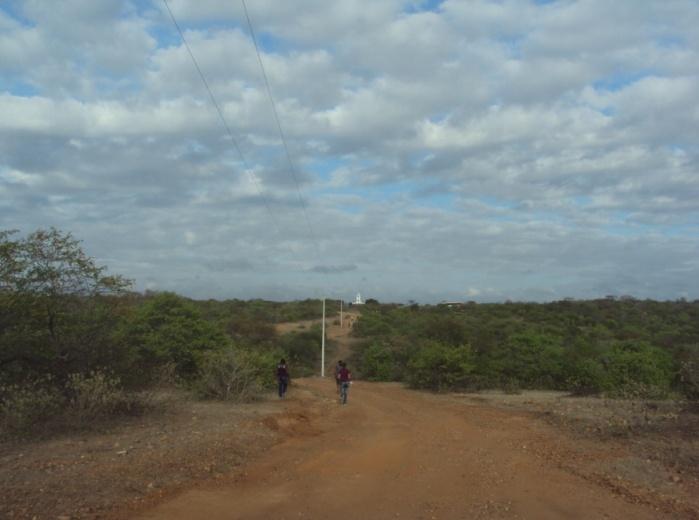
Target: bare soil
[390,453]
[396,453]
[655,443]
[135,461]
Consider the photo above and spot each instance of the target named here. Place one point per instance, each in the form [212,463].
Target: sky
[437,150]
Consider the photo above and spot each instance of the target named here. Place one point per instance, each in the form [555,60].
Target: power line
[222,117]
[230,133]
[288,158]
[279,126]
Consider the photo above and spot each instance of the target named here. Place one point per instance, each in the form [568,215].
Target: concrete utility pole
[340,313]
[322,345]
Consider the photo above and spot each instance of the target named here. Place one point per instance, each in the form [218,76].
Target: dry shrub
[84,400]
[511,386]
[689,377]
[97,395]
[24,408]
[227,376]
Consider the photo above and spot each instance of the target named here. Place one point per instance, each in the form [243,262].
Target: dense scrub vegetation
[619,347]
[76,345]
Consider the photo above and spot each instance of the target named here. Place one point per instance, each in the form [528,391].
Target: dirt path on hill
[395,453]
[335,330]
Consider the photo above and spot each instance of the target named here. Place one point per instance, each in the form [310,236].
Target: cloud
[481,150]
[333,269]
[223,265]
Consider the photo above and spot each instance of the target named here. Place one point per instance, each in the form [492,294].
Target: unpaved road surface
[395,453]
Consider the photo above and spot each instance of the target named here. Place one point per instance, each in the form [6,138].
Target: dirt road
[394,453]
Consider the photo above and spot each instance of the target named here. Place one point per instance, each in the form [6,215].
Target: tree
[168,329]
[56,312]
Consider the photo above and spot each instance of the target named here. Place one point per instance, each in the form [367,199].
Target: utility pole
[322,343]
[340,313]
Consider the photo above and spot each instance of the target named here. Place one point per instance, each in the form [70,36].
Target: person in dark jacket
[282,377]
[345,377]
[338,367]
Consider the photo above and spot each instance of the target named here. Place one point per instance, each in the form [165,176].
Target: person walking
[282,377]
[338,367]
[345,377]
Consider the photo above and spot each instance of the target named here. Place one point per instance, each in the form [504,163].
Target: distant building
[358,300]
[453,305]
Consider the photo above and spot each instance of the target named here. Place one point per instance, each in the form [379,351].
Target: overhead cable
[292,169]
[253,178]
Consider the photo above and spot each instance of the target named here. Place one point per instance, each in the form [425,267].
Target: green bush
[444,329]
[638,370]
[440,367]
[376,363]
[264,366]
[588,376]
[372,323]
[250,330]
[168,329]
[626,370]
[302,351]
[532,359]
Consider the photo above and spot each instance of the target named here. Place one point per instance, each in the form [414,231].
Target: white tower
[358,300]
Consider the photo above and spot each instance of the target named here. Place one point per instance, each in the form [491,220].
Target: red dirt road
[394,453]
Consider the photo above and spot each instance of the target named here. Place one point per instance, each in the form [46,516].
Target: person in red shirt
[282,377]
[345,378]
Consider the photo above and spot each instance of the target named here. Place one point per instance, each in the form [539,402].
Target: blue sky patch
[620,80]
[18,87]
[324,168]
[12,8]
[423,5]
